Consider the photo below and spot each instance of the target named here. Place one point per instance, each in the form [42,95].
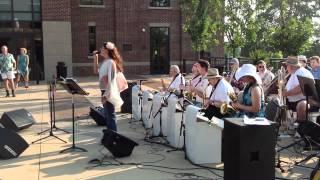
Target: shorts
[8,75]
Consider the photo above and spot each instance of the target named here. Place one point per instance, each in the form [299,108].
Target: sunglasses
[260,66]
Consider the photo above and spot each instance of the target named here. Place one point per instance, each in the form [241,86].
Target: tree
[202,19]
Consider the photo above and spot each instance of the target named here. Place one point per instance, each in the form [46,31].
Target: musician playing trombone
[252,104]
[221,89]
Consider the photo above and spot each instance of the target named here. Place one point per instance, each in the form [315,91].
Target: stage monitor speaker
[118,145]
[98,115]
[11,144]
[126,96]
[17,119]
[310,129]
[248,151]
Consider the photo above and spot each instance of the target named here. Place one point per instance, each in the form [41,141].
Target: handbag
[122,81]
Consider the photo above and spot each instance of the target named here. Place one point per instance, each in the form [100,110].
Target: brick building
[147,32]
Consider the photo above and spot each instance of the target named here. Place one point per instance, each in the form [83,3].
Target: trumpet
[227,109]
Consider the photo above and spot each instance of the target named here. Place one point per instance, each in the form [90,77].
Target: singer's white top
[176,82]
[221,92]
[294,82]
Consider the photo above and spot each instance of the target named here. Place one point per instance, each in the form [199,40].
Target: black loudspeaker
[248,151]
[126,96]
[310,129]
[11,144]
[17,119]
[118,145]
[98,115]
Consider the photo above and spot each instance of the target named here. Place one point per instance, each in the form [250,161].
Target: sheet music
[256,121]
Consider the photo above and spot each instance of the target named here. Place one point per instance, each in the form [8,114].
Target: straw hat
[293,61]
[212,73]
[248,70]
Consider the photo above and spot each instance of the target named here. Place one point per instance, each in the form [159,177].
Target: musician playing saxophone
[253,96]
[177,80]
[200,87]
[219,94]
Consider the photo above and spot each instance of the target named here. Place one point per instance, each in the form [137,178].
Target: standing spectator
[234,66]
[111,65]
[23,67]
[265,75]
[7,66]
[315,65]
[303,62]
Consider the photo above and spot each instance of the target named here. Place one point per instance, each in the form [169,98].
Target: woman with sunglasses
[110,95]
[265,75]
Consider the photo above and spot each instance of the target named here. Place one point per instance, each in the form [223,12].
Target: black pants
[213,111]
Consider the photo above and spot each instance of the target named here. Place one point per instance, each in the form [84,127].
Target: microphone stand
[140,102]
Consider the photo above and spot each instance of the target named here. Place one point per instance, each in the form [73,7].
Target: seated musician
[195,75]
[265,75]
[200,87]
[252,104]
[219,94]
[177,79]
[315,65]
[234,66]
[296,100]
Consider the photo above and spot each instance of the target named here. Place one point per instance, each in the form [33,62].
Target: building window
[160,3]
[91,2]
[92,38]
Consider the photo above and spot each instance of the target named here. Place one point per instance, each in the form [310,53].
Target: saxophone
[226,108]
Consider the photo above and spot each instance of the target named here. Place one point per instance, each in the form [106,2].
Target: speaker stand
[52,118]
[73,147]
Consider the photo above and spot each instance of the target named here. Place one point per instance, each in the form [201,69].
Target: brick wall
[56,10]
[121,21]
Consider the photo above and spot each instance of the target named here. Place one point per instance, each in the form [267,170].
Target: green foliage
[202,19]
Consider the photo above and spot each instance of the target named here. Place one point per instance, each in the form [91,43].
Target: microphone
[92,54]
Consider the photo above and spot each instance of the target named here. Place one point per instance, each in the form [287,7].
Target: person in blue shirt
[315,65]
[23,69]
[7,67]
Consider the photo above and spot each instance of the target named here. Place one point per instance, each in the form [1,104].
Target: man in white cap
[218,95]
[296,100]
[303,62]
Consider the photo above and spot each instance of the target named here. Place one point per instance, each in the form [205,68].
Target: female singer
[107,80]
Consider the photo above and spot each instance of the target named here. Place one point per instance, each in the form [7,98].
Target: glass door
[159,50]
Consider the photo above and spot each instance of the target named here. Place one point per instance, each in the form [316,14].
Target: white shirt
[203,87]
[266,78]
[195,80]
[294,82]
[176,82]
[221,93]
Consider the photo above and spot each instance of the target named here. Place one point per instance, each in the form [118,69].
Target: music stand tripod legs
[73,147]
[52,120]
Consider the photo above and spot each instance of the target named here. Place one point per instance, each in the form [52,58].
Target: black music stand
[51,91]
[308,89]
[73,88]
